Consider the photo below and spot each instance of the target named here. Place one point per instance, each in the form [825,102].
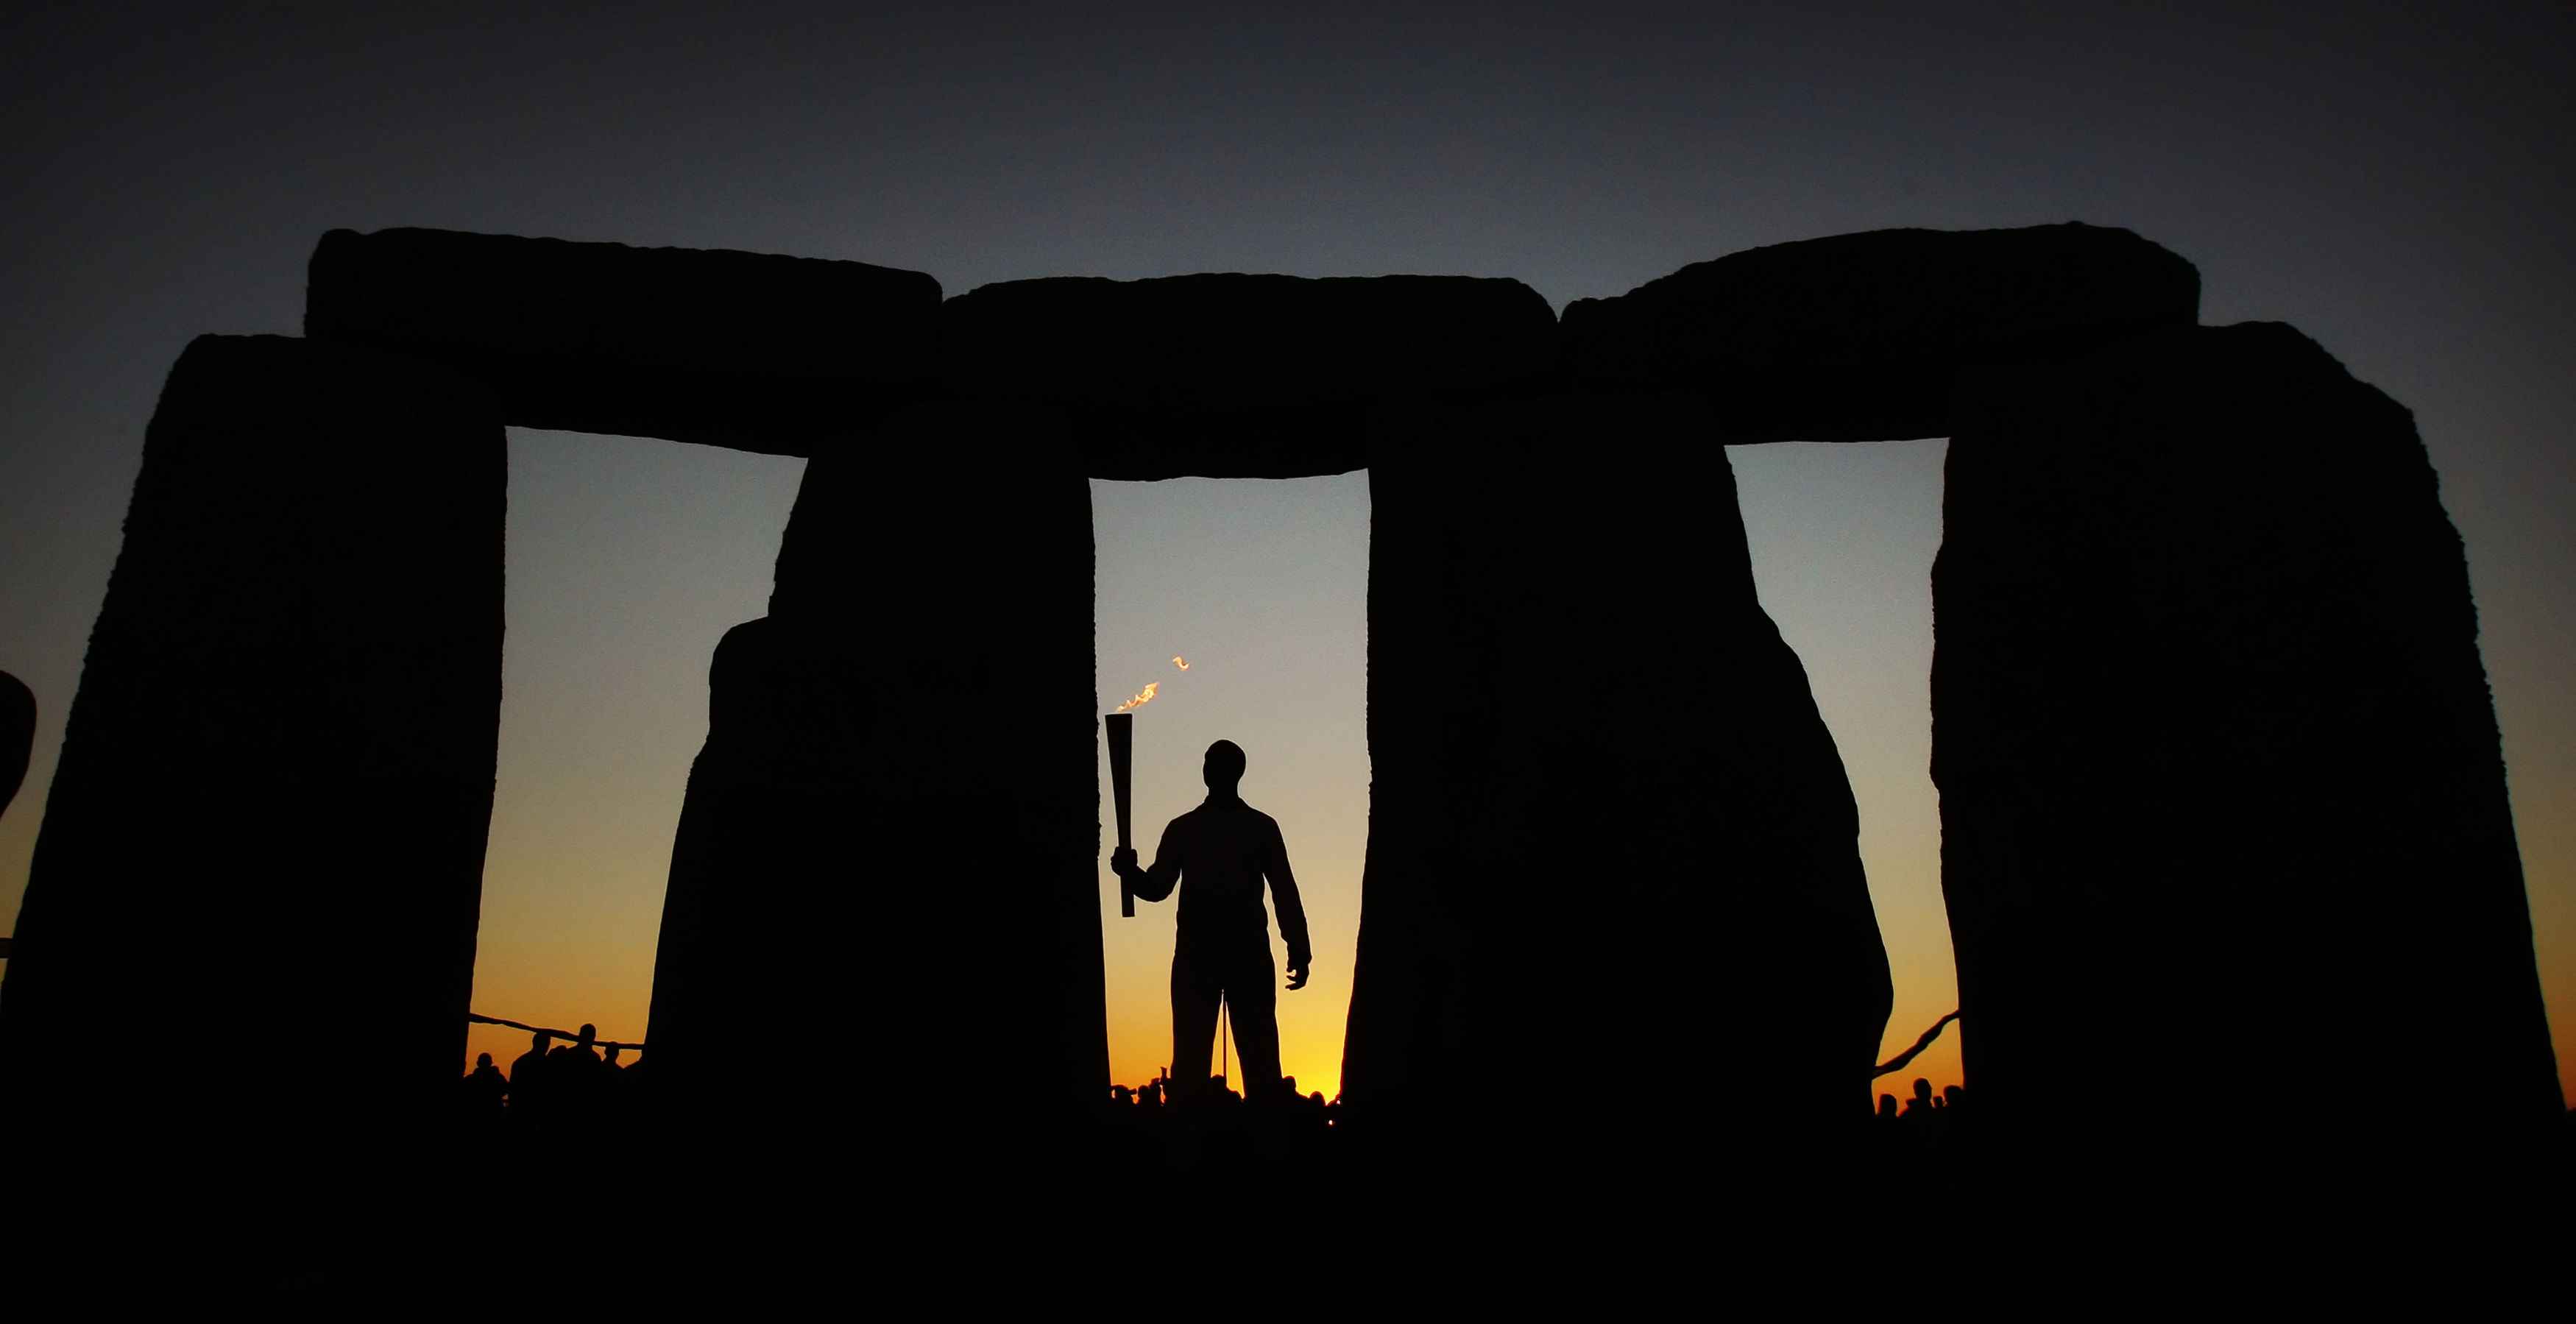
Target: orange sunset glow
[592,774]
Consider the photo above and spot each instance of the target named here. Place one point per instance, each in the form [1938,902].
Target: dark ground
[1303,1223]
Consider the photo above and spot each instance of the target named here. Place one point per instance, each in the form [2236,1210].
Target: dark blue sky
[2395,180]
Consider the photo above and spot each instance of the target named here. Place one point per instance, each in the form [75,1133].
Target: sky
[2394,180]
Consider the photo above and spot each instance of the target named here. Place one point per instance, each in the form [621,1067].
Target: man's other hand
[1296,977]
[1122,861]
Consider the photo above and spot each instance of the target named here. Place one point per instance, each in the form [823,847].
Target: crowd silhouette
[555,1092]
[576,1092]
[1162,1121]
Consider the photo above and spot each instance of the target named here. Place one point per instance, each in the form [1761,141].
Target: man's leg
[1252,995]
[1198,985]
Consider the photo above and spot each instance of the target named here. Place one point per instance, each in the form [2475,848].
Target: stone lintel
[748,350]
[1240,376]
[1861,337]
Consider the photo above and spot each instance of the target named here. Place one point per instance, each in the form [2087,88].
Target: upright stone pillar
[2223,808]
[252,911]
[882,935]
[1613,854]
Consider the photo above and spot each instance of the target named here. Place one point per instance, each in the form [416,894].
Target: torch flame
[1148,695]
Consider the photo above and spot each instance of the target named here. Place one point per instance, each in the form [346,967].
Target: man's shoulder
[1229,819]
[1235,809]
[1242,819]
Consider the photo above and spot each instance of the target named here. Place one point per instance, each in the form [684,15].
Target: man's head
[482,1060]
[589,1035]
[1224,767]
[537,1042]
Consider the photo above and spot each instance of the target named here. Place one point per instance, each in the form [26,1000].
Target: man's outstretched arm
[1292,910]
[1149,884]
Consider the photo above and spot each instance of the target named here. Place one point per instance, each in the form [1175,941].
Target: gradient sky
[2393,180]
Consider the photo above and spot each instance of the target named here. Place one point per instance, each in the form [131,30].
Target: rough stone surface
[1860,337]
[748,350]
[270,810]
[1239,376]
[884,881]
[1610,836]
[2223,807]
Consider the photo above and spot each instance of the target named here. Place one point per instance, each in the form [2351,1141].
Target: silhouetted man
[572,1074]
[1219,854]
[485,1087]
[528,1084]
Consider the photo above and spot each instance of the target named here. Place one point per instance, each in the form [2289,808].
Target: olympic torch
[1121,730]
[1122,734]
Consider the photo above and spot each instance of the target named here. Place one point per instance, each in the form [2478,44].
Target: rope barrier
[566,1035]
[1898,1062]
[1893,1064]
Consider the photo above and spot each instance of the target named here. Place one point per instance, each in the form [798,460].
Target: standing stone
[882,929]
[2223,807]
[252,909]
[1613,856]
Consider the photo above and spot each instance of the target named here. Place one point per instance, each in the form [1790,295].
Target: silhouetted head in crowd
[482,1060]
[1953,1093]
[1224,769]
[538,1042]
[1887,1105]
[613,1051]
[590,1035]
[1922,1088]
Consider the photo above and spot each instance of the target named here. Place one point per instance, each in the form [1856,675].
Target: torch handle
[1121,731]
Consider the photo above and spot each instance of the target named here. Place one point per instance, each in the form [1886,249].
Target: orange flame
[1148,695]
